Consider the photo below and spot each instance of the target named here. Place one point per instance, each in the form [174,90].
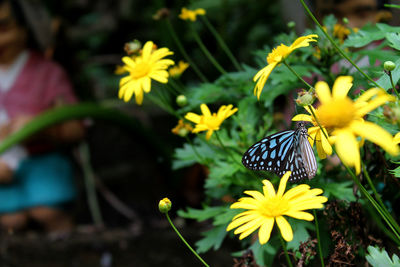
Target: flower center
[140,70]
[213,122]
[338,113]
[278,53]
[274,207]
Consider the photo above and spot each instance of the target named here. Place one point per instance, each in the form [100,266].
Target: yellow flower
[315,134]
[119,70]
[343,119]
[142,69]
[275,57]
[340,31]
[177,71]
[263,209]
[187,14]
[182,128]
[210,122]
[396,138]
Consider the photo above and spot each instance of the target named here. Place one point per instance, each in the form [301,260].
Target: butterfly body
[281,152]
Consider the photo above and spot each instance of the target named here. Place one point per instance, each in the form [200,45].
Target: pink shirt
[39,85]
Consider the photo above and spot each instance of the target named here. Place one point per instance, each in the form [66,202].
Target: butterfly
[283,151]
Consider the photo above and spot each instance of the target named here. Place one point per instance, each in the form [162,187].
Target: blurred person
[36,178]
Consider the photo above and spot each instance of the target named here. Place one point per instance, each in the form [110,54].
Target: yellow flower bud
[164,205]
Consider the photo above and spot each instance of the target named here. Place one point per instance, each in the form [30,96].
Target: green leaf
[201,214]
[187,156]
[264,254]
[212,239]
[384,80]
[300,233]
[396,172]
[343,190]
[380,258]
[364,36]
[394,40]
[226,217]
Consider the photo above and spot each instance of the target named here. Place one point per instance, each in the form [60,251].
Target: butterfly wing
[278,153]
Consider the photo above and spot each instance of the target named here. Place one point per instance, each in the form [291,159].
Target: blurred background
[131,169]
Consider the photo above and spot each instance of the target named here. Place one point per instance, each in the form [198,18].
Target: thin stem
[90,185]
[378,198]
[177,87]
[321,257]
[393,86]
[225,149]
[195,150]
[285,251]
[297,75]
[205,50]
[184,241]
[221,43]
[341,52]
[183,52]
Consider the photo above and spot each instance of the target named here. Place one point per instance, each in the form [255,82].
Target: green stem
[393,86]
[184,241]
[378,198]
[225,149]
[297,75]
[221,43]
[176,86]
[205,50]
[201,160]
[90,185]
[183,52]
[341,52]
[321,257]
[285,251]
[386,216]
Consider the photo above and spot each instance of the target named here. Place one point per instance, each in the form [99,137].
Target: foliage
[380,258]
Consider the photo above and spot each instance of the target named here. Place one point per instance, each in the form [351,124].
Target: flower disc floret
[149,65]
[263,209]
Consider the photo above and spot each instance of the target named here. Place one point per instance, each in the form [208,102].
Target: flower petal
[347,148]
[285,228]
[375,134]
[268,188]
[282,184]
[323,92]
[342,86]
[193,117]
[265,230]
[205,110]
[302,117]
[301,215]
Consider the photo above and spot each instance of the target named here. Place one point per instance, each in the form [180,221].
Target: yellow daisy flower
[187,14]
[315,134]
[210,122]
[263,209]
[142,69]
[177,71]
[343,119]
[275,57]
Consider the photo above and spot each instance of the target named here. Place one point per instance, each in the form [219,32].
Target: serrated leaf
[212,239]
[394,40]
[201,214]
[396,172]
[264,254]
[226,216]
[343,190]
[364,36]
[380,258]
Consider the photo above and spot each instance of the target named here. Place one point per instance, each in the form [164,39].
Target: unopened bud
[291,24]
[181,100]
[132,47]
[345,20]
[389,65]
[305,99]
[164,205]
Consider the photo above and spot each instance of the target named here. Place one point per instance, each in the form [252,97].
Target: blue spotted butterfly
[281,152]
